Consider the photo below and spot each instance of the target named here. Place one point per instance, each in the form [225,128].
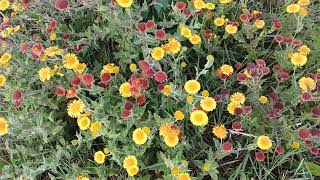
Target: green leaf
[314,168]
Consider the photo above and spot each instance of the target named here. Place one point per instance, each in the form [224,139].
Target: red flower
[53,24]
[315,112]
[160,76]
[37,49]
[260,156]
[128,106]
[75,81]
[60,91]
[186,12]
[279,150]
[105,77]
[227,147]
[141,100]
[71,92]
[88,80]
[35,37]
[314,131]
[25,2]
[125,114]
[279,38]
[264,71]
[303,133]
[244,17]
[17,95]
[144,65]
[62,5]
[276,24]
[217,98]
[160,87]
[24,47]
[308,142]
[77,47]
[276,68]
[287,39]
[314,150]
[141,26]
[241,77]
[65,36]
[180,5]
[238,111]
[161,34]
[150,24]
[247,109]
[236,126]
[296,42]
[306,96]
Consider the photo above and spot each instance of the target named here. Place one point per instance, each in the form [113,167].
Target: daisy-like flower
[99,157]
[70,61]
[238,97]
[75,108]
[125,89]
[45,74]
[199,118]
[226,69]
[139,136]
[220,131]
[208,104]
[125,3]
[130,161]
[264,142]
[3,126]
[307,84]
[192,86]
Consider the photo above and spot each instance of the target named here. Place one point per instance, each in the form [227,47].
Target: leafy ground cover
[123,89]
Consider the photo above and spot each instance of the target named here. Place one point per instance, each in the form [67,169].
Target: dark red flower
[77,47]
[238,111]
[160,87]
[53,24]
[62,5]
[303,133]
[308,142]
[150,24]
[207,33]
[144,65]
[37,49]
[314,131]
[180,5]
[17,95]
[264,71]
[63,46]
[247,109]
[274,96]
[284,75]
[241,77]
[65,36]
[260,156]
[306,96]
[276,68]
[149,73]
[125,114]
[141,99]
[217,98]
[144,83]
[278,105]
[141,27]
[276,24]
[25,2]
[279,150]
[315,111]
[225,91]
[161,34]
[60,91]
[128,106]
[296,42]
[279,38]
[236,126]
[160,76]
[272,114]
[227,147]
[244,17]
[88,79]
[105,77]
[75,81]
[287,39]
[186,12]
[314,150]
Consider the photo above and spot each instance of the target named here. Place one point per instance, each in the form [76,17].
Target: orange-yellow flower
[231,29]
[264,142]
[157,53]
[220,131]
[238,97]
[3,126]
[298,59]
[139,136]
[125,89]
[195,39]
[208,104]
[199,118]
[125,3]
[307,84]
[99,157]
[293,8]
[192,86]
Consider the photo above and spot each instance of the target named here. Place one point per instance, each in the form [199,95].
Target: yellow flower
[189,99]
[298,59]
[53,36]
[184,176]
[307,84]
[3,126]
[264,142]
[199,118]
[157,53]
[164,129]
[133,67]
[75,108]
[225,1]
[146,129]
[259,23]
[208,104]
[133,170]
[139,136]
[185,32]
[195,39]
[130,161]
[192,86]
[174,46]
[304,2]
[183,64]
[106,150]
[205,93]
[99,157]
[230,29]
[70,61]
[74,142]
[83,122]
[5,58]
[199,4]
[3,80]
[295,145]
[95,128]
[219,21]
[125,3]
[210,6]
[210,57]
[166,90]
[175,170]
[246,72]
[305,50]
[220,131]
[179,115]
[110,68]
[226,69]
[232,107]
[238,98]
[171,140]
[45,74]
[80,68]
[4,4]
[304,11]
[293,8]
[125,89]
[82,178]
[205,168]
[263,99]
